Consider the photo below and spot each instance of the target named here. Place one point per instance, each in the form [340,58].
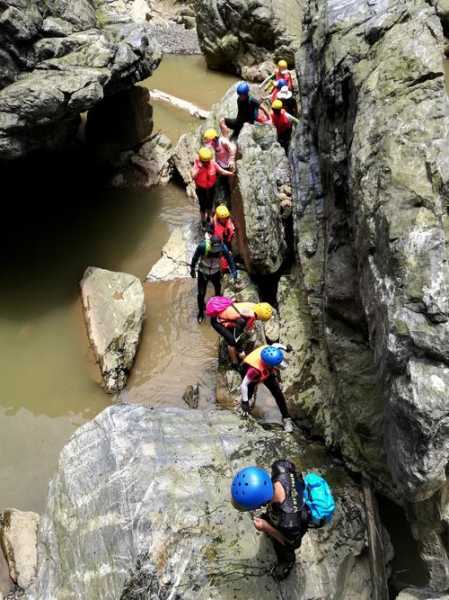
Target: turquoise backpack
[318,499]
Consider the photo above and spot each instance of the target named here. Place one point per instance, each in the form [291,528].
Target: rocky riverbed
[347,236]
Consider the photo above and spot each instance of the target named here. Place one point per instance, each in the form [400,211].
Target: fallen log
[193,110]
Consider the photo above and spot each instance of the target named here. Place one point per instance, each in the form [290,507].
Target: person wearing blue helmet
[286,519]
[277,88]
[247,109]
[261,366]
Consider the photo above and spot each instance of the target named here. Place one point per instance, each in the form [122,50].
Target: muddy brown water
[52,231]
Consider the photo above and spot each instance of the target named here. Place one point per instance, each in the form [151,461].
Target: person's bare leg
[233,355]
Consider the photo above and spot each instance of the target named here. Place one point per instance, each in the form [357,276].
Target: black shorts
[206,198]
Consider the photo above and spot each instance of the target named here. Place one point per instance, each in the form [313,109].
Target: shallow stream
[54,226]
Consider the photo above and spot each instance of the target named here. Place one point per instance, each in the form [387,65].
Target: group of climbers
[293,503]
[213,255]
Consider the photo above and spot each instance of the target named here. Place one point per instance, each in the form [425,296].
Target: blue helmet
[280,83]
[272,356]
[251,488]
[243,88]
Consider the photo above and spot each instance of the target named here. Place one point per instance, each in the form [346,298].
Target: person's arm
[264,110]
[198,252]
[228,256]
[232,149]
[223,171]
[292,118]
[244,389]
[262,525]
[195,169]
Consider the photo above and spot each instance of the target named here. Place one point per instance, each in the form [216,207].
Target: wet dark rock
[241,33]
[61,58]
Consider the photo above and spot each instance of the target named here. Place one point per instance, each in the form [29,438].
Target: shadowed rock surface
[59,59]
[235,34]
[140,508]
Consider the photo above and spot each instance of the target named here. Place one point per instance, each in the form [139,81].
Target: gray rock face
[241,33]
[18,539]
[140,508]
[262,171]
[371,171]
[176,256]
[58,59]
[114,309]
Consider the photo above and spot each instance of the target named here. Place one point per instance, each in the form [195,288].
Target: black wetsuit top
[290,516]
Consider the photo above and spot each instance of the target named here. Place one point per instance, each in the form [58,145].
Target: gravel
[175,39]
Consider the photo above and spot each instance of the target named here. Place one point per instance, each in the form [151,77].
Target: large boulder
[114,309]
[140,508]
[262,173]
[18,539]
[237,34]
[59,59]
[370,168]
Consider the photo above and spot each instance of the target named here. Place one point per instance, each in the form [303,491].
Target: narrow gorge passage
[60,221]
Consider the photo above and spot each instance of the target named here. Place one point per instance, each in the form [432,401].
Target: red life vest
[278,74]
[255,361]
[207,174]
[281,121]
[224,231]
[274,93]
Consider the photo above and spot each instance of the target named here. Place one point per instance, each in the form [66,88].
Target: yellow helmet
[205,154]
[222,212]
[277,105]
[263,311]
[210,134]
[282,64]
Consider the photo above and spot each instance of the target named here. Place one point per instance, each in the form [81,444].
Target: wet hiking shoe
[282,570]
[288,425]
[200,318]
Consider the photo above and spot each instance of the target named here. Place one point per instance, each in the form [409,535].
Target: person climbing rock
[223,225]
[281,72]
[224,151]
[288,101]
[234,320]
[204,174]
[283,122]
[207,257]
[223,148]
[261,366]
[294,504]
[248,110]
[282,83]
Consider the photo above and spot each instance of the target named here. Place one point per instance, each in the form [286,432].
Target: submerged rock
[242,33]
[114,309]
[18,539]
[140,507]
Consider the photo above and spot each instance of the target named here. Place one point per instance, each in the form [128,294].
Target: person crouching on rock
[204,174]
[283,122]
[286,519]
[233,321]
[207,254]
[247,110]
[261,366]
